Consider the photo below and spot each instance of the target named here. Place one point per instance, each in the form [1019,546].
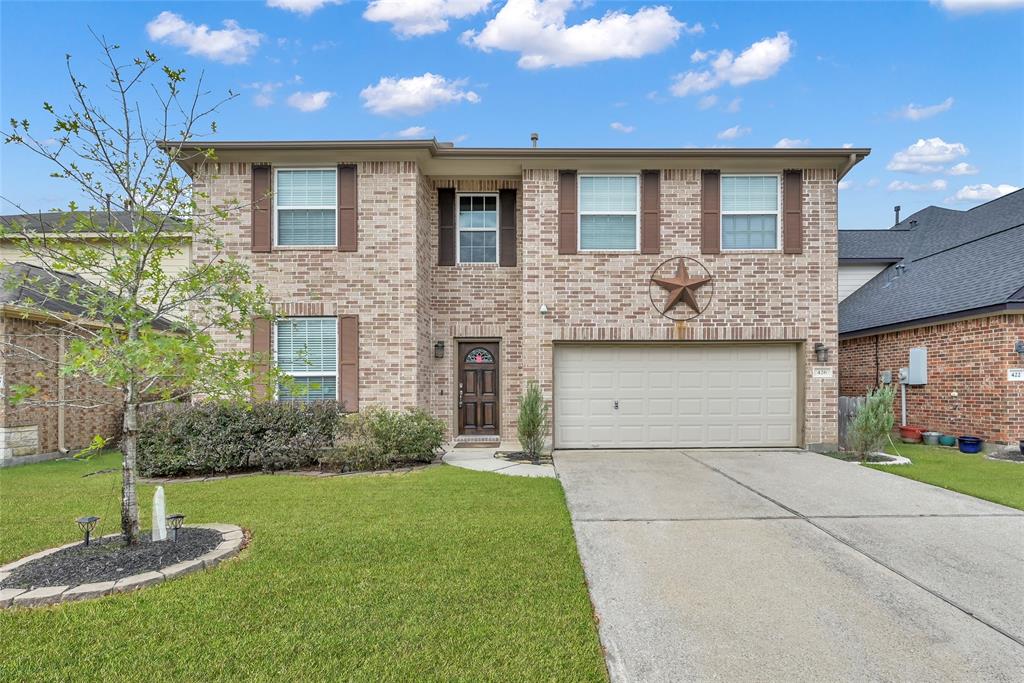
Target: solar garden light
[175,521]
[87,525]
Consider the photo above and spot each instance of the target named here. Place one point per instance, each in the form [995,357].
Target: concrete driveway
[788,565]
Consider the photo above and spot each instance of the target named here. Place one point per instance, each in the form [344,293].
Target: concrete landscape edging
[232,540]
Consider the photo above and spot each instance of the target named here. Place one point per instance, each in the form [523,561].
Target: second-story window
[609,212]
[478,228]
[750,212]
[306,206]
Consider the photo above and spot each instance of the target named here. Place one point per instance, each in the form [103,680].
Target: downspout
[850,163]
[61,441]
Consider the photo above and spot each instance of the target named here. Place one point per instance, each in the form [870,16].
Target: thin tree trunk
[129,449]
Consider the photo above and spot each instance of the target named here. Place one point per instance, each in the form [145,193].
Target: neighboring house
[67,412]
[951,282]
[415,273]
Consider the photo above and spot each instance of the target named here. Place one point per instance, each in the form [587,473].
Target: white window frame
[304,373]
[496,230]
[580,213]
[778,211]
[276,170]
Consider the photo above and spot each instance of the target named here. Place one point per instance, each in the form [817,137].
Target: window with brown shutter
[507,227]
[567,221]
[792,217]
[348,362]
[260,348]
[446,226]
[710,212]
[650,212]
[348,216]
[261,203]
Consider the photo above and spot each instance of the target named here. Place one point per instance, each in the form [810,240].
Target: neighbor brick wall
[969,357]
[29,355]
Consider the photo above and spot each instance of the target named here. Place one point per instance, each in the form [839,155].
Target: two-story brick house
[416,273]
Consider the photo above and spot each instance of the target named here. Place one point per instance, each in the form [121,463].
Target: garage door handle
[616,405]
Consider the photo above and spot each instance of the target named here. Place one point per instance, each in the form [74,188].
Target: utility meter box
[885,376]
[917,372]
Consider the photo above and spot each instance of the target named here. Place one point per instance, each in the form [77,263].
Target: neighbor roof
[954,263]
[65,221]
[30,287]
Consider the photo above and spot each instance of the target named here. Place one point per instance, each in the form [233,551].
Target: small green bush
[872,426]
[378,438]
[532,427]
[211,438]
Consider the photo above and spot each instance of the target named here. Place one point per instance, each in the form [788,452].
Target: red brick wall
[967,357]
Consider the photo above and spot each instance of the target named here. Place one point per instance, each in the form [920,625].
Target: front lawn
[438,574]
[975,475]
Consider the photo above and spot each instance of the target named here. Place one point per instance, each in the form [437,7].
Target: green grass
[438,574]
[975,475]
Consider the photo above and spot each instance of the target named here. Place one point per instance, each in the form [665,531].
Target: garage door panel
[727,395]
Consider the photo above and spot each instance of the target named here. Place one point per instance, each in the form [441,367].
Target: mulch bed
[108,559]
[853,457]
[521,456]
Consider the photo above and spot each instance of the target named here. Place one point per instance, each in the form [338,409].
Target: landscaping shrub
[378,438]
[873,424]
[209,438]
[532,427]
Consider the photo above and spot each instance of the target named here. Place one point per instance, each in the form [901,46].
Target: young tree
[142,328]
[532,426]
[873,424]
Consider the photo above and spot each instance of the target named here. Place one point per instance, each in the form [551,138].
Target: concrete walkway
[483,460]
[788,565]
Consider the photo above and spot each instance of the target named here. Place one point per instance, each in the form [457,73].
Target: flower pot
[910,434]
[970,444]
[931,438]
[947,440]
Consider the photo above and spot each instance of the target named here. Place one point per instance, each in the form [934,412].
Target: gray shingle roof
[952,261]
[65,221]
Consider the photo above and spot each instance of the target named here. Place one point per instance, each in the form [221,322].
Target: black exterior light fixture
[176,521]
[87,525]
[821,352]
[1018,346]
[439,349]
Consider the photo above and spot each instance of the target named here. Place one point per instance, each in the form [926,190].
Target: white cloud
[904,186]
[845,184]
[412,132]
[309,101]
[736,131]
[761,60]
[306,7]
[926,156]
[537,30]
[264,96]
[847,145]
[707,102]
[977,5]
[414,95]
[410,18]
[963,168]
[915,112]
[874,182]
[699,56]
[982,192]
[734,105]
[789,143]
[230,45]
[621,127]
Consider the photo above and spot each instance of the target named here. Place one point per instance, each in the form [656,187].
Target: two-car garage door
[675,396]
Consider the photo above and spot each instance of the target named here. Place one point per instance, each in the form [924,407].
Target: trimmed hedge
[212,438]
[378,438]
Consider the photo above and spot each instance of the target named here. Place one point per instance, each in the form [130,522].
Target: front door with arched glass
[478,388]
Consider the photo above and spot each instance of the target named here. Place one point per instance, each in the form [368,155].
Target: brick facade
[406,302]
[967,357]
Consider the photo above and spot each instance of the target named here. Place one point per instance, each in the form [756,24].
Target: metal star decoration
[682,287]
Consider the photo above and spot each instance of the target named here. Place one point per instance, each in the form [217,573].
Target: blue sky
[630,74]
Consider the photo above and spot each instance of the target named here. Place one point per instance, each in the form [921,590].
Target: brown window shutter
[650,212]
[507,224]
[260,347]
[792,212]
[711,212]
[348,362]
[567,226]
[446,226]
[348,217]
[261,208]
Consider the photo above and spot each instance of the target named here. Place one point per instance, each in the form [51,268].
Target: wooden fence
[849,406]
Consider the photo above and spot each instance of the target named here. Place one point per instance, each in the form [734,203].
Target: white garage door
[651,396]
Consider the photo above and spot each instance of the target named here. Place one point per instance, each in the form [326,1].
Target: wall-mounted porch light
[439,349]
[543,309]
[1018,346]
[821,352]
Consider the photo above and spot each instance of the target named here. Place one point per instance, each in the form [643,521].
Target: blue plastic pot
[947,440]
[970,444]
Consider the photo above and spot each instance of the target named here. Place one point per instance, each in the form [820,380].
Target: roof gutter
[850,163]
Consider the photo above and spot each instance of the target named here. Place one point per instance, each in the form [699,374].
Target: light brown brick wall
[968,357]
